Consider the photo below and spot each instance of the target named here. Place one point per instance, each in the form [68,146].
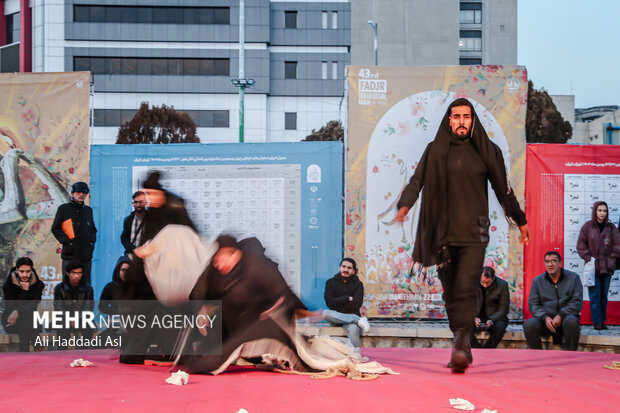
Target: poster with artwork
[44,120]
[394,112]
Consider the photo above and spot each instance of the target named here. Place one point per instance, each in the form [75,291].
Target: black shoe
[598,326]
[458,362]
[604,327]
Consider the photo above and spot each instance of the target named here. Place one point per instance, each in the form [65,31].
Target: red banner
[562,182]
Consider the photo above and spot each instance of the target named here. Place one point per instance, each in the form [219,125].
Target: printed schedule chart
[261,201]
[581,191]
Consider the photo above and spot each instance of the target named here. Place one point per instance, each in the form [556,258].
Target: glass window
[81,13]
[144,67]
[220,119]
[113,14]
[160,66]
[334,20]
[206,67]
[191,16]
[221,67]
[127,115]
[144,15]
[81,64]
[323,70]
[97,65]
[290,70]
[97,14]
[466,61]
[99,117]
[471,16]
[112,117]
[204,118]
[334,70]
[191,67]
[174,15]
[175,67]
[129,14]
[160,15]
[113,65]
[12,28]
[129,66]
[206,16]
[324,17]
[221,15]
[290,120]
[290,19]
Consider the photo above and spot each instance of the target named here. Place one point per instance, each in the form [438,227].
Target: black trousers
[460,280]
[496,332]
[568,334]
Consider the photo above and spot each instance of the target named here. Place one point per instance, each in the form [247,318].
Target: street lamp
[242,84]
[375,35]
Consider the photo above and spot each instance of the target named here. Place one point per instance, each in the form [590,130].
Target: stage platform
[506,380]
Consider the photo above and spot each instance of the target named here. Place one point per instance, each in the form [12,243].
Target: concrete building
[599,125]
[438,32]
[184,53]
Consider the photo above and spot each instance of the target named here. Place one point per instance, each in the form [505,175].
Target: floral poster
[44,123]
[394,112]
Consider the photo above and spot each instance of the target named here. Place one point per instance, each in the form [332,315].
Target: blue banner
[288,195]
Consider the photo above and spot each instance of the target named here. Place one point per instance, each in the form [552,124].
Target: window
[152,66]
[290,19]
[323,70]
[467,61]
[151,14]
[334,20]
[471,13]
[290,70]
[470,40]
[12,28]
[290,121]
[324,18]
[334,70]
[202,118]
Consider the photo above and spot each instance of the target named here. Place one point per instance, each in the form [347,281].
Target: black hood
[116,275]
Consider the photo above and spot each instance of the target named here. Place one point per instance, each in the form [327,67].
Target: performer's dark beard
[456,138]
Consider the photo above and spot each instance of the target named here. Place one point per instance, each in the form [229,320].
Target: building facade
[438,32]
[184,53]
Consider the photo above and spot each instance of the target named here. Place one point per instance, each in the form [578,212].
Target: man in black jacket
[133,223]
[22,293]
[75,229]
[73,293]
[344,293]
[453,229]
[493,309]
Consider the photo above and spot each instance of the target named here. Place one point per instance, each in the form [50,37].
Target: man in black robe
[258,308]
[453,229]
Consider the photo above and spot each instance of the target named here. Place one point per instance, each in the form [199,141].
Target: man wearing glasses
[132,225]
[555,301]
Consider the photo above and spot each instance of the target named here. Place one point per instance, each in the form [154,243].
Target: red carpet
[503,380]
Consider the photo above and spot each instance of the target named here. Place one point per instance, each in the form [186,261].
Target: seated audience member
[493,310]
[555,301]
[22,293]
[73,294]
[108,303]
[344,294]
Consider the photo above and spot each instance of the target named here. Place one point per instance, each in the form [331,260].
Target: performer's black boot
[461,351]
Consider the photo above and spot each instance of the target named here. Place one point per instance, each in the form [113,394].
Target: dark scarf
[430,246]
